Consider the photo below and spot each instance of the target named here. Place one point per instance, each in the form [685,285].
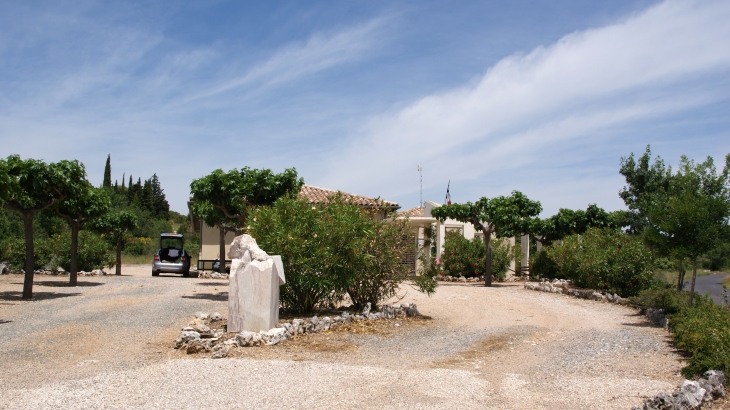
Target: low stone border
[211,275]
[198,337]
[58,272]
[690,395]
[563,287]
[447,278]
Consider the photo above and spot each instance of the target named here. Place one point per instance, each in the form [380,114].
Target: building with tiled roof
[416,212]
[317,195]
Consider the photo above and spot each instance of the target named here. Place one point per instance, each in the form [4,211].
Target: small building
[421,221]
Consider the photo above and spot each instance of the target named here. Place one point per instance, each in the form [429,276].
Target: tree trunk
[680,275]
[488,261]
[222,251]
[74,254]
[29,258]
[119,255]
[692,285]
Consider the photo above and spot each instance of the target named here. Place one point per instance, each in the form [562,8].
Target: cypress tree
[108,172]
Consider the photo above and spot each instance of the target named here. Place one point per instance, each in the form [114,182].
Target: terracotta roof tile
[416,212]
[316,195]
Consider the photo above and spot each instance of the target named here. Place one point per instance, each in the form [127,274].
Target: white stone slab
[253,296]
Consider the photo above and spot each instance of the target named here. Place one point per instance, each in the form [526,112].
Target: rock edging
[691,395]
[563,287]
[447,278]
[198,337]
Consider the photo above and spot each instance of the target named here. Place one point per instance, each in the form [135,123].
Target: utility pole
[420,171]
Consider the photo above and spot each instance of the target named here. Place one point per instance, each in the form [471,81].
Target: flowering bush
[603,259]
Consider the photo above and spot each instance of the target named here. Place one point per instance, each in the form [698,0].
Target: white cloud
[651,65]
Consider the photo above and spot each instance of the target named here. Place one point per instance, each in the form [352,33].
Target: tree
[30,186]
[116,225]
[568,222]
[691,217]
[224,199]
[503,216]
[90,203]
[108,172]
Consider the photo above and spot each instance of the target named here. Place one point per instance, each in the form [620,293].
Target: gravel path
[110,346]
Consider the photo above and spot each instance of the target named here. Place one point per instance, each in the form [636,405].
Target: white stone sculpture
[253,295]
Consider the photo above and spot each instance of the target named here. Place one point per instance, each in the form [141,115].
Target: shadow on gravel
[212,283]
[219,297]
[66,285]
[13,295]
[2,322]
[643,324]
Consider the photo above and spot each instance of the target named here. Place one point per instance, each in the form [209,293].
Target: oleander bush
[466,257]
[604,259]
[332,250]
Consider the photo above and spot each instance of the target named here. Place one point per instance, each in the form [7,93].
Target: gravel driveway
[108,344]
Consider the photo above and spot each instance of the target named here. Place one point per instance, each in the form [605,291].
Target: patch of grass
[726,282]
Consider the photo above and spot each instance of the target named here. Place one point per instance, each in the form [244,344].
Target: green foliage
[13,251]
[718,258]
[645,185]
[379,256]
[332,249]
[137,246]
[93,252]
[667,298]
[464,257]
[542,266]
[225,198]
[568,222]
[603,259]
[664,264]
[317,246]
[116,224]
[107,183]
[504,216]
[704,332]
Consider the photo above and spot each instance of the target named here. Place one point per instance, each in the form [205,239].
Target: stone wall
[199,337]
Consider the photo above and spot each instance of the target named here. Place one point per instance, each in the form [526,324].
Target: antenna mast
[420,171]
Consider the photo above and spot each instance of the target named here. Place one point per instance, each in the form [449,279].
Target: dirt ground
[502,347]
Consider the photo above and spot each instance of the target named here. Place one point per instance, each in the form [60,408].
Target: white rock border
[691,395]
[199,338]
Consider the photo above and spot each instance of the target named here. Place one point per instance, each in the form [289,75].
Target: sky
[543,97]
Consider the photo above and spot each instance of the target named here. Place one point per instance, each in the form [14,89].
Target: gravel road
[108,344]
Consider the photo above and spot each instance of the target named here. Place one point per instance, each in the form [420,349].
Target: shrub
[664,264]
[464,257]
[604,259]
[541,266]
[44,250]
[380,268]
[704,332]
[332,249]
[137,246]
[668,298]
[93,252]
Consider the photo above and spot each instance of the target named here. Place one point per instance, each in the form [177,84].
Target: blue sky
[544,97]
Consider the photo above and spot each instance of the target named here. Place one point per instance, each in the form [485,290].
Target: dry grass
[726,282]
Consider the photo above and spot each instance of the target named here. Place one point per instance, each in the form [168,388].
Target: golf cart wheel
[155,273]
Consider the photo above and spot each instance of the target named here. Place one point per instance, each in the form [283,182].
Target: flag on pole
[448,195]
